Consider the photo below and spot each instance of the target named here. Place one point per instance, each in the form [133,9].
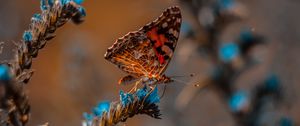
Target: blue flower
[78,1]
[126,98]
[226,4]
[246,36]
[88,117]
[4,73]
[285,121]
[141,93]
[82,11]
[27,36]
[238,101]
[153,97]
[36,17]
[44,5]
[64,2]
[272,83]
[101,108]
[228,52]
[50,2]
[185,28]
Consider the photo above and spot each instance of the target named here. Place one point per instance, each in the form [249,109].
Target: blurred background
[71,75]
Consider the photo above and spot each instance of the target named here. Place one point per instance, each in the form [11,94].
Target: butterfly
[146,53]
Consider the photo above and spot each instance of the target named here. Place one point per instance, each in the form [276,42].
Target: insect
[146,53]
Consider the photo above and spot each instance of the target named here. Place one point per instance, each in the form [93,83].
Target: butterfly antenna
[164,91]
[179,81]
[191,75]
[203,82]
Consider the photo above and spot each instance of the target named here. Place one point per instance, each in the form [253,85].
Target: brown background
[72,76]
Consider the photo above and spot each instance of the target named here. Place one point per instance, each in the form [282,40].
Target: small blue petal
[272,83]
[78,1]
[97,111]
[4,73]
[246,36]
[226,4]
[126,98]
[153,97]
[286,122]
[88,117]
[37,17]
[228,52]
[141,93]
[64,2]
[101,108]
[238,101]
[27,36]
[185,28]
[43,5]
[50,2]
[82,11]
[104,106]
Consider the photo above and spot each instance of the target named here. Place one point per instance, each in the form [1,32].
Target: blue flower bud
[36,17]
[185,28]
[88,117]
[50,2]
[101,108]
[153,97]
[238,101]
[78,1]
[126,98]
[226,4]
[4,73]
[27,36]
[82,11]
[228,52]
[141,93]
[272,83]
[286,122]
[246,36]
[64,2]
[43,5]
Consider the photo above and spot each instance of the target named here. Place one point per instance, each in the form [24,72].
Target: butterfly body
[156,80]
[146,53]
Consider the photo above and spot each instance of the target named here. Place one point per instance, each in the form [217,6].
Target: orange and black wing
[149,50]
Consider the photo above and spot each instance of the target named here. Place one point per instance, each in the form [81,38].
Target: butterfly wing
[148,51]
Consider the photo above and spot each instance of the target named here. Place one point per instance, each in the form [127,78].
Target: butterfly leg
[135,87]
[127,80]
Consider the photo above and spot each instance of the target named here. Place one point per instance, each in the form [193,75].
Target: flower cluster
[14,74]
[55,13]
[142,101]
[231,59]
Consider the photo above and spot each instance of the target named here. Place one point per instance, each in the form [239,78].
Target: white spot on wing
[155,63]
[175,33]
[151,53]
[171,31]
[165,25]
[178,20]
[137,54]
[167,50]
